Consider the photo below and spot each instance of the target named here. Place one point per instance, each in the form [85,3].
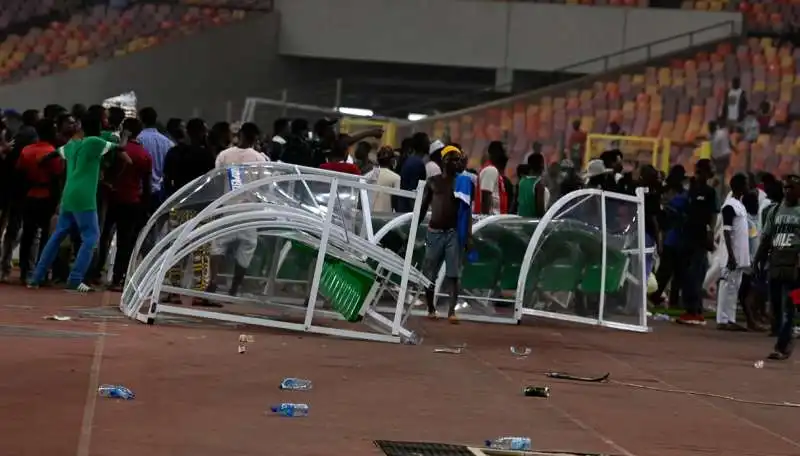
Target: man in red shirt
[337,160]
[129,198]
[42,187]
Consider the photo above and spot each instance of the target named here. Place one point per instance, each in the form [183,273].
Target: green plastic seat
[298,262]
[562,269]
[483,274]
[615,274]
[345,287]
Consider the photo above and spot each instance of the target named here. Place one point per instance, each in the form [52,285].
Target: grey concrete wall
[196,74]
[484,34]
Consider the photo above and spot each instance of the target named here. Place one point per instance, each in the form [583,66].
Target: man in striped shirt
[157,145]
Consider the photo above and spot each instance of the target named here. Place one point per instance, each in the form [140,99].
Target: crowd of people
[73,178]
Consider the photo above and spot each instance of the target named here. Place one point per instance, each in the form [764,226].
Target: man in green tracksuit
[532,194]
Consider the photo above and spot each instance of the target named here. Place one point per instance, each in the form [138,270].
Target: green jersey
[526,197]
[110,136]
[83,157]
[783,225]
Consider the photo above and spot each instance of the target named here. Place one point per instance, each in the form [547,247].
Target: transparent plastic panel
[272,232]
[623,275]
[488,283]
[575,274]
[569,249]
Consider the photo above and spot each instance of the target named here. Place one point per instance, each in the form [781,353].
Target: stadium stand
[762,16]
[103,32]
[674,101]
[627,3]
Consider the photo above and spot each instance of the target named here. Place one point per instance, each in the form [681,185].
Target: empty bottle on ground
[296,384]
[510,443]
[288,409]
[115,391]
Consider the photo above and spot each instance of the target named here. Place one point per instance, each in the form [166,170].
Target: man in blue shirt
[157,145]
[413,169]
[672,265]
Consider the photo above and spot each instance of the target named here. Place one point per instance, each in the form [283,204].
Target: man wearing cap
[432,167]
[442,243]
[597,175]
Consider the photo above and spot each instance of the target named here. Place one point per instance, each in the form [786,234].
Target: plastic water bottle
[510,443]
[288,409]
[296,384]
[116,392]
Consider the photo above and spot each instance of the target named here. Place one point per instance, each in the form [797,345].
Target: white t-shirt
[382,202]
[740,234]
[487,181]
[720,143]
[432,169]
[733,98]
[237,156]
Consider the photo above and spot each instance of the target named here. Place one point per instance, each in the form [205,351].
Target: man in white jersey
[736,254]
[735,103]
[243,241]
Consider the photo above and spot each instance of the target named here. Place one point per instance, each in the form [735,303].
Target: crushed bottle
[536,391]
[510,443]
[290,410]
[115,392]
[296,384]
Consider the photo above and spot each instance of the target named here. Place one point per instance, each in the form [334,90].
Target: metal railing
[560,75]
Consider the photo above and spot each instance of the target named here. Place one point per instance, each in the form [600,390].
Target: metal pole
[624,37]
[337,102]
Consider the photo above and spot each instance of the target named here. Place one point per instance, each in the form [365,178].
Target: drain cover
[421,449]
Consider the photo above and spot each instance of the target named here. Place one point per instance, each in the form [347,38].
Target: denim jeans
[86,224]
[779,294]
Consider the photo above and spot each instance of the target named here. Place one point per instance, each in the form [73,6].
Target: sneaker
[731,327]
[33,285]
[453,319]
[80,288]
[685,319]
[778,356]
[432,315]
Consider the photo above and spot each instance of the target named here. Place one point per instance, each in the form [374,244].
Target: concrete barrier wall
[484,34]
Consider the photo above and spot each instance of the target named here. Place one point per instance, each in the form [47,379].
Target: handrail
[730,24]
[648,46]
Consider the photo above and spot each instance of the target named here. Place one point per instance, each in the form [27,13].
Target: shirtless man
[441,243]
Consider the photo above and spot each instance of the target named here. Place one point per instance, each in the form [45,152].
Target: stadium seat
[102,32]
[675,101]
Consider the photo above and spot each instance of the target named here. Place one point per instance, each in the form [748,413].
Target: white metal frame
[218,219]
[640,251]
[554,213]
